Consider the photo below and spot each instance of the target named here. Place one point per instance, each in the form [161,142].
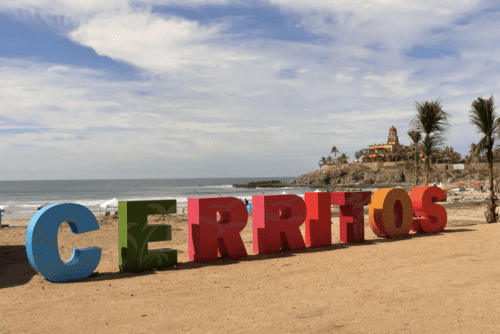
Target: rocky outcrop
[357,176]
[260,184]
[403,173]
[353,175]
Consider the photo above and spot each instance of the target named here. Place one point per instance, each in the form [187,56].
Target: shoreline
[462,197]
[459,214]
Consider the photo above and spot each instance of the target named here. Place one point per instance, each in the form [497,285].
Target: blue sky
[165,89]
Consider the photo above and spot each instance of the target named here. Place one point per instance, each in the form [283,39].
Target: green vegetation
[433,122]
[486,121]
[334,151]
[416,137]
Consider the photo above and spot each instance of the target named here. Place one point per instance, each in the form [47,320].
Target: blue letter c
[41,242]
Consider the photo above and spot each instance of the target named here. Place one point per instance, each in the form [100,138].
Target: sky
[93,89]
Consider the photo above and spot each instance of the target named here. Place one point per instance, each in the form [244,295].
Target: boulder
[400,178]
[41,206]
[368,182]
[357,176]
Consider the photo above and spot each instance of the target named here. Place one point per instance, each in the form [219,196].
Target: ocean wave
[225,186]
[26,210]
[90,202]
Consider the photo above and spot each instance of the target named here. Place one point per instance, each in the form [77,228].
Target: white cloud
[151,42]
[210,92]
[391,84]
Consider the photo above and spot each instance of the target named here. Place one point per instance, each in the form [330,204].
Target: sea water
[22,198]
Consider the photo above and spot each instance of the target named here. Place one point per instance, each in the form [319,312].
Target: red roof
[392,128]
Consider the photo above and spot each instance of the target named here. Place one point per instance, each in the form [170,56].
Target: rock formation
[381,174]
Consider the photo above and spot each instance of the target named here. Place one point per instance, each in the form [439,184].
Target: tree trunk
[416,165]
[492,217]
[427,163]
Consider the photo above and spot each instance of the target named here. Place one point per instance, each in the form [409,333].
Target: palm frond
[431,119]
[415,136]
[486,121]
[484,117]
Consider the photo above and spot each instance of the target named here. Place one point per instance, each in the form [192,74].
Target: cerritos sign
[215,223]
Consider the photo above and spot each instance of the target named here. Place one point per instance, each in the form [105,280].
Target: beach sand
[443,283]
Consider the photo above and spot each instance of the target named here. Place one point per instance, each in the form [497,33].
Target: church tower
[392,139]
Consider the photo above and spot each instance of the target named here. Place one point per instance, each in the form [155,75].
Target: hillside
[377,174]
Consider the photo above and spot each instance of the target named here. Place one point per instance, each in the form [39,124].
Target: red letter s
[434,216]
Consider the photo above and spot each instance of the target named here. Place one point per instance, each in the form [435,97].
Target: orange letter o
[391,213]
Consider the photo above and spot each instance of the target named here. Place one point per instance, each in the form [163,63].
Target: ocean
[22,198]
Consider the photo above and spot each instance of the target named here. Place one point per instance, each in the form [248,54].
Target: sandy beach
[442,283]
[194,118]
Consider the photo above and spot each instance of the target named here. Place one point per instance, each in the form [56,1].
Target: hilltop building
[384,150]
[393,151]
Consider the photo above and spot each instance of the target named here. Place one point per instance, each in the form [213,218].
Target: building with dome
[384,150]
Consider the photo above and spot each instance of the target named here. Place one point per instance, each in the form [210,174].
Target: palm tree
[357,155]
[343,158]
[432,121]
[416,137]
[455,157]
[472,153]
[397,150]
[485,119]
[334,151]
[448,155]
[391,155]
[407,152]
[437,156]
[403,152]
[322,162]
[496,156]
[440,156]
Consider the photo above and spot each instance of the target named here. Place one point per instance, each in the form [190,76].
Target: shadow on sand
[259,257]
[15,268]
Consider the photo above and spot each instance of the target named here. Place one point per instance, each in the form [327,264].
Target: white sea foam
[226,186]
[26,210]
[90,202]
[282,188]
[181,201]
